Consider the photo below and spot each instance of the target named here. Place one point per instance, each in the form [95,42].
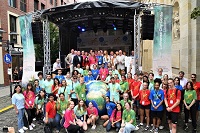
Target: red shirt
[92,111]
[171,99]
[117,81]
[69,116]
[51,109]
[53,88]
[144,97]
[130,81]
[103,72]
[117,117]
[197,89]
[135,88]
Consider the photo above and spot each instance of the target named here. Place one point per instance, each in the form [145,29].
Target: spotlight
[83,29]
[115,28]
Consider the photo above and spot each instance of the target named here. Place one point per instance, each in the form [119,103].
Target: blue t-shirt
[60,77]
[179,87]
[95,73]
[110,107]
[18,100]
[100,59]
[157,96]
[37,89]
[88,78]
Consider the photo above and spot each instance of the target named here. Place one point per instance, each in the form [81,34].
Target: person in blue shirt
[100,58]
[95,72]
[89,77]
[177,83]
[60,77]
[157,98]
[110,106]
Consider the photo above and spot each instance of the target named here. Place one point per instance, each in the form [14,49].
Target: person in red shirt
[145,104]
[93,116]
[196,86]
[50,111]
[172,101]
[55,87]
[135,87]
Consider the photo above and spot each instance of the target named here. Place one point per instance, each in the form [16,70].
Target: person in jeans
[61,106]
[128,120]
[115,119]
[190,97]
[18,102]
[70,123]
[72,93]
[30,104]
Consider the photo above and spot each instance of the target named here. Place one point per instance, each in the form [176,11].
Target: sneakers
[156,130]
[93,127]
[147,128]
[33,125]
[34,119]
[185,127]
[141,124]
[136,128]
[189,120]
[25,128]
[30,128]
[21,130]
[152,130]
[161,127]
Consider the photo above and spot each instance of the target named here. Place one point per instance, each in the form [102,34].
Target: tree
[54,44]
[195,13]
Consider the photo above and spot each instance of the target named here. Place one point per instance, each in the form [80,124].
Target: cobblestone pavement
[9,119]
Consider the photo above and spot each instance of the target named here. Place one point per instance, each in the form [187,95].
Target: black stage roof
[92,13]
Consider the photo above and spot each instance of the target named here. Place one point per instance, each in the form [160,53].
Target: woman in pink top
[70,123]
[92,60]
[103,72]
[115,118]
[92,115]
[29,104]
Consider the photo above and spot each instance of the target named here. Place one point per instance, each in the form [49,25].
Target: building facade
[10,10]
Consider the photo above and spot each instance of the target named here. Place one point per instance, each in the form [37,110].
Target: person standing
[103,72]
[72,92]
[78,59]
[99,58]
[18,102]
[20,73]
[47,85]
[172,101]
[183,80]
[69,60]
[115,89]
[41,79]
[80,90]
[190,98]
[60,76]
[93,60]
[95,72]
[120,61]
[88,77]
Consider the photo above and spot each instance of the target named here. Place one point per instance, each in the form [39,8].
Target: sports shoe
[34,119]
[147,128]
[189,120]
[161,127]
[21,130]
[25,128]
[141,124]
[33,125]
[30,128]
[94,126]
[152,130]
[156,130]
[136,128]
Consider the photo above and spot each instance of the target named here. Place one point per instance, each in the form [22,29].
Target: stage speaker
[37,30]
[147,27]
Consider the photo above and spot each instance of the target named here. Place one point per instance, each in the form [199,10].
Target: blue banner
[28,49]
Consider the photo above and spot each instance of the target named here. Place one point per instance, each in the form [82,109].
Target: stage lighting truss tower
[137,42]
[46,44]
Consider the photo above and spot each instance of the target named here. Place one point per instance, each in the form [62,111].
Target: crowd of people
[60,101]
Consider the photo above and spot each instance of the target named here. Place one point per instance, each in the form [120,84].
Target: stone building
[9,22]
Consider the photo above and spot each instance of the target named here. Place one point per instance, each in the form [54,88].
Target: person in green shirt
[61,106]
[47,84]
[64,89]
[190,98]
[85,72]
[125,100]
[128,120]
[80,90]
[124,86]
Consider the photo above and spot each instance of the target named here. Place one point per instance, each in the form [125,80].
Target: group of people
[60,101]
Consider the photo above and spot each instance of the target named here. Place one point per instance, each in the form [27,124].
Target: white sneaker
[21,130]
[93,127]
[136,128]
[30,128]
[141,124]
[34,119]
[161,127]
[25,128]
[189,120]
[33,125]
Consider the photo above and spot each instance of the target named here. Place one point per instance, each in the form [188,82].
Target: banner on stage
[162,39]
[28,49]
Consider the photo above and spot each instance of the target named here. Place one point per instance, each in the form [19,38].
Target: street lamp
[1,34]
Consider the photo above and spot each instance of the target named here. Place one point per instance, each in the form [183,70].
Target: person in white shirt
[57,65]
[69,60]
[120,61]
[183,81]
[159,76]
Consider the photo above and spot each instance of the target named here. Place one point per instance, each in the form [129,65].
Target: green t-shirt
[85,72]
[123,103]
[128,116]
[40,101]
[63,107]
[80,112]
[81,91]
[124,86]
[47,85]
[189,96]
[64,90]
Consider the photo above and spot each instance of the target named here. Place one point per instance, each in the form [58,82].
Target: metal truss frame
[137,42]
[46,45]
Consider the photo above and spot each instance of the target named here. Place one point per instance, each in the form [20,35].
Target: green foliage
[195,13]
[54,43]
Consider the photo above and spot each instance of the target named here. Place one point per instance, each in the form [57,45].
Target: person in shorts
[172,101]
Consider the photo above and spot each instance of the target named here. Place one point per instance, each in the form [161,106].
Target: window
[51,1]
[23,5]
[13,28]
[42,6]
[12,3]
[36,5]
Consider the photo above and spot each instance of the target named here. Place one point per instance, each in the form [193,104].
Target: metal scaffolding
[137,42]
[46,44]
